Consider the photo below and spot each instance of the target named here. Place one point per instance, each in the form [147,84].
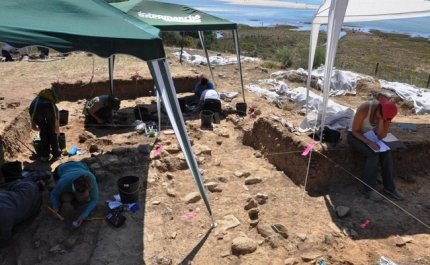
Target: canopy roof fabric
[173,17]
[335,12]
[78,25]
[370,10]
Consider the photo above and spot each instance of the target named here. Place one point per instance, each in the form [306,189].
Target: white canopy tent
[335,12]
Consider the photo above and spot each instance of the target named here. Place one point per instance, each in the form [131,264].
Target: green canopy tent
[96,27]
[174,17]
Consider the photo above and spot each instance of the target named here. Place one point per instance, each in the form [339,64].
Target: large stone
[261,198]
[86,135]
[251,204]
[291,261]
[252,180]
[200,149]
[192,197]
[265,230]
[280,229]
[213,187]
[342,211]
[243,245]
[228,222]
[311,255]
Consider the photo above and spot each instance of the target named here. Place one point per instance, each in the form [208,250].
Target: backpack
[48,94]
[328,135]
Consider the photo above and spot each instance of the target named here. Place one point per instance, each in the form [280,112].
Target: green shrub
[270,65]
[284,56]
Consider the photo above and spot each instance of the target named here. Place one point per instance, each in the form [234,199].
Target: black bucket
[206,117]
[64,117]
[128,189]
[36,144]
[241,108]
[62,141]
[11,171]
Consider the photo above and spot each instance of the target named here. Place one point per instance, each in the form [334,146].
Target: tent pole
[236,44]
[313,45]
[158,110]
[111,66]
[202,41]
[335,22]
[182,47]
[164,83]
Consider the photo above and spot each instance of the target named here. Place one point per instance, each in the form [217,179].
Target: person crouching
[210,100]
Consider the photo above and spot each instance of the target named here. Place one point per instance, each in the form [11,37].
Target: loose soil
[261,147]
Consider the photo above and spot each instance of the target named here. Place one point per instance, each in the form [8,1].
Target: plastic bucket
[206,117]
[241,108]
[62,141]
[11,170]
[64,117]
[128,189]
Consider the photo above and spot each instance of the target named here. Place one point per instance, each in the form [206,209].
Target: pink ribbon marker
[136,74]
[92,73]
[308,149]
[57,80]
[366,223]
[188,215]
[158,151]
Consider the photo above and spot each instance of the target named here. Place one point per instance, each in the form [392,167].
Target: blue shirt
[68,172]
[19,202]
[199,88]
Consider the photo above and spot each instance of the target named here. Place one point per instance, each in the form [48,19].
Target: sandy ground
[161,233]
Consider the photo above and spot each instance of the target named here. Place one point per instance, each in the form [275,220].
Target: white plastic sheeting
[338,116]
[420,96]
[342,82]
[214,60]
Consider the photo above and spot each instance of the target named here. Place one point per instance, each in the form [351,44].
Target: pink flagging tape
[308,149]
[188,215]
[158,151]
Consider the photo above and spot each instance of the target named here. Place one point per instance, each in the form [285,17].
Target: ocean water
[258,16]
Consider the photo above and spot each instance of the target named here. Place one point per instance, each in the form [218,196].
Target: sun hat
[389,109]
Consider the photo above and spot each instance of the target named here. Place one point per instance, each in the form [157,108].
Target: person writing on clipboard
[374,116]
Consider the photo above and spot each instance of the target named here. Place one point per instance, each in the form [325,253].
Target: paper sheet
[390,138]
[372,137]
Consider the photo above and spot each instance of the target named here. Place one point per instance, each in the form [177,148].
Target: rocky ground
[262,215]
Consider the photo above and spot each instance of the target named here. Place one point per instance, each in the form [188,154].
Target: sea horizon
[270,15]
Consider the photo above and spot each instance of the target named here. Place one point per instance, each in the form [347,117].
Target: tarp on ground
[97,27]
[335,12]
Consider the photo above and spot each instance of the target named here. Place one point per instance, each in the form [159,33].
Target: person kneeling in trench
[210,100]
[76,184]
[99,110]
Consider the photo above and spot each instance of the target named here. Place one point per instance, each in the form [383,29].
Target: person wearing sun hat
[374,116]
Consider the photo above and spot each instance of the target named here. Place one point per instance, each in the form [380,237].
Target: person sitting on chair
[99,109]
[210,100]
